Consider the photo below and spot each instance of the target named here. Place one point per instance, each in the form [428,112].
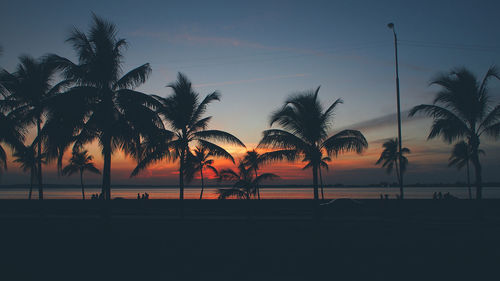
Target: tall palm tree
[305,133]
[245,182]
[184,112]
[462,110]
[28,89]
[197,162]
[323,165]
[253,160]
[460,157]
[27,158]
[104,103]
[389,158]
[80,161]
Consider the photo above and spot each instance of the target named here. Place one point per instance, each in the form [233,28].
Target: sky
[256,53]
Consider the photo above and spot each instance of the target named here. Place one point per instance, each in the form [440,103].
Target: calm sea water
[266,193]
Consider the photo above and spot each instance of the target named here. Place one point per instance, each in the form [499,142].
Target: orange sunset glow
[249,140]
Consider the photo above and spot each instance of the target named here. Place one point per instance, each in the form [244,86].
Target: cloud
[252,80]
[210,40]
[383,121]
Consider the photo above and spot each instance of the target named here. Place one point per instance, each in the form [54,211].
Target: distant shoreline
[140,186]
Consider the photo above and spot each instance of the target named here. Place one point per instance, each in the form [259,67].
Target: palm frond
[133,78]
[228,175]
[218,136]
[491,118]
[276,138]
[91,168]
[446,123]
[216,150]
[201,108]
[264,177]
[345,141]
[280,155]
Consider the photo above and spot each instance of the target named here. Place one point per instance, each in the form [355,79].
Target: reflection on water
[265,193]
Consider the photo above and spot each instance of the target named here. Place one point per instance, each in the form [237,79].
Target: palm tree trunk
[468,180]
[202,183]
[106,173]
[39,144]
[81,182]
[257,187]
[321,184]
[181,182]
[479,180]
[398,176]
[32,177]
[315,182]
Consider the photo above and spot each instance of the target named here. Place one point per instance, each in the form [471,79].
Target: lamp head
[390,25]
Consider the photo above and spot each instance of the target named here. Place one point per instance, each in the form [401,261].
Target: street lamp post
[391,26]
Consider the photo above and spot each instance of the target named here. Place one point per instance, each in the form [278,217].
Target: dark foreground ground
[255,240]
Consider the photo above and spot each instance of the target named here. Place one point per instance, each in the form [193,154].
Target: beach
[281,192]
[249,240]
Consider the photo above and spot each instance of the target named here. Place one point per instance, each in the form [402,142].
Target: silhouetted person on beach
[386,196]
[440,195]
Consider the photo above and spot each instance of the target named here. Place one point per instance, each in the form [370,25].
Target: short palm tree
[27,158]
[462,110]
[253,160]
[80,161]
[28,89]
[184,111]
[389,158]
[305,133]
[197,162]
[11,133]
[460,157]
[104,103]
[245,183]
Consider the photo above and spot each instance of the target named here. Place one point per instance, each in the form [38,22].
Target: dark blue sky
[258,52]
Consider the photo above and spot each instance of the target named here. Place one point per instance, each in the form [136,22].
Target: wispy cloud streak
[252,80]
[383,121]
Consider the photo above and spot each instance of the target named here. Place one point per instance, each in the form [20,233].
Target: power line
[469,47]
[305,53]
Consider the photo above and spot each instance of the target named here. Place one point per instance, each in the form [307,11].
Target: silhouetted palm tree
[80,161]
[104,104]
[27,158]
[305,133]
[253,160]
[245,182]
[184,111]
[460,157]
[389,158]
[28,90]
[462,110]
[197,162]
[11,133]
[322,165]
